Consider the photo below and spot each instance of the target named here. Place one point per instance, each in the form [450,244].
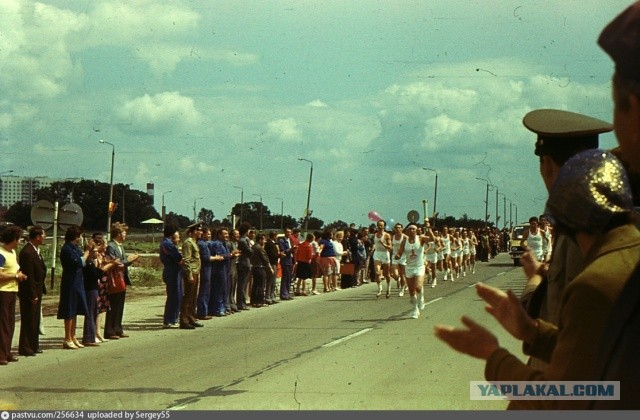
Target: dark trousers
[257,288]
[113,319]
[232,287]
[204,292]
[217,303]
[285,281]
[174,299]
[29,325]
[270,285]
[243,278]
[189,300]
[7,323]
[89,328]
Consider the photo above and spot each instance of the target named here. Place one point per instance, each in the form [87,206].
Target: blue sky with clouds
[202,96]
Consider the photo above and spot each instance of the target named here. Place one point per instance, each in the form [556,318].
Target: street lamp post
[164,210]
[194,209]
[307,212]
[435,196]
[113,155]
[504,210]
[281,212]
[241,201]
[258,195]
[486,203]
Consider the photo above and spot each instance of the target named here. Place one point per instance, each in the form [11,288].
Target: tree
[177,220]
[337,225]
[206,216]
[19,214]
[314,223]
[93,197]
[251,214]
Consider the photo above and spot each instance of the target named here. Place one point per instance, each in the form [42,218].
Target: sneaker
[379,290]
[315,292]
[416,313]
[464,274]
[401,292]
[434,283]
[169,325]
[421,304]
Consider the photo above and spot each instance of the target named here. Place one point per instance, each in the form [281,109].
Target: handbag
[116,283]
[347,268]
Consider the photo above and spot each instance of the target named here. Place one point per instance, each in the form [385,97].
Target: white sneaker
[434,283]
[464,274]
[401,292]
[416,313]
[379,290]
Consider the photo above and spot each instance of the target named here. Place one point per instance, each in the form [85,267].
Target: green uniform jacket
[571,347]
[191,258]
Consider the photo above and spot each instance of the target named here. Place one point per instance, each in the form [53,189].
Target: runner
[456,251]
[412,248]
[532,239]
[431,259]
[466,251]
[446,252]
[397,266]
[381,260]
[473,248]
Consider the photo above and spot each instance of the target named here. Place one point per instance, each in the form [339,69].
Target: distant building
[20,188]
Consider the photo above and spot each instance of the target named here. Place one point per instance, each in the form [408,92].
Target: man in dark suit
[244,266]
[286,265]
[113,321]
[30,292]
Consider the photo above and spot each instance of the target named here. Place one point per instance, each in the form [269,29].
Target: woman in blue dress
[73,301]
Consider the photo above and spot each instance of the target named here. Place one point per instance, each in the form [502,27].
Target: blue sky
[202,96]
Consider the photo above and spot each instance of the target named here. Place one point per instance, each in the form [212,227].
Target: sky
[214,99]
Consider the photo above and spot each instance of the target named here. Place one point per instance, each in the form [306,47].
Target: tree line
[133,207]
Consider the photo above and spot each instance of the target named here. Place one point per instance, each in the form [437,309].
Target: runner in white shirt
[532,239]
[381,260]
[431,259]
[547,238]
[472,250]
[466,252]
[446,242]
[397,266]
[412,248]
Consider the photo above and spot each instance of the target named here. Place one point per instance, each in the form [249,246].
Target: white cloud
[284,129]
[317,103]
[161,113]
[191,164]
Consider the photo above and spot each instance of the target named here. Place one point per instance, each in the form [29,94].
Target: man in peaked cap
[560,135]
[618,358]
[591,201]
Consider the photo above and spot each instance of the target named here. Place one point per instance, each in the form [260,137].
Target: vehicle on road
[515,242]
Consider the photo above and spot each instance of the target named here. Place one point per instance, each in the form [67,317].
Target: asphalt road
[346,350]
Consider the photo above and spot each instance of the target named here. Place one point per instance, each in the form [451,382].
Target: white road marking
[340,340]
[432,301]
[499,274]
[472,285]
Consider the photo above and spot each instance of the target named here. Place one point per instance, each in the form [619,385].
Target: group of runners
[413,253]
